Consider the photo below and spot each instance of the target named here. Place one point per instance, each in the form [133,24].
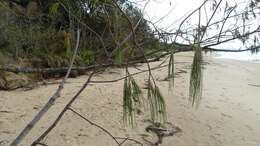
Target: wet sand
[228,115]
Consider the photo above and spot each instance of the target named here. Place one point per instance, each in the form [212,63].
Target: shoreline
[228,114]
[240,56]
[249,61]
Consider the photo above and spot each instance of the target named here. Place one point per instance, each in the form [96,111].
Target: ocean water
[244,56]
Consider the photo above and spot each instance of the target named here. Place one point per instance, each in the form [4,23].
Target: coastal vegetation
[64,38]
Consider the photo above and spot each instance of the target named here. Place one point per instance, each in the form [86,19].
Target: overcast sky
[176,10]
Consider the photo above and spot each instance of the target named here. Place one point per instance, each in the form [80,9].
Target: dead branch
[105,130]
[135,60]
[53,125]
[51,101]
[94,124]
[68,107]
[133,74]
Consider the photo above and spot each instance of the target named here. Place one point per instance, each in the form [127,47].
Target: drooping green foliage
[156,103]
[118,56]
[171,70]
[195,89]
[128,112]
[132,99]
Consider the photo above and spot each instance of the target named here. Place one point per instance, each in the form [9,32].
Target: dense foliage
[42,33]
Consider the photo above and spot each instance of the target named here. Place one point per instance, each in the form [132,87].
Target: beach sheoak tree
[117,32]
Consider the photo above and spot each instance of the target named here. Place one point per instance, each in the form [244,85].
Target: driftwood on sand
[77,69]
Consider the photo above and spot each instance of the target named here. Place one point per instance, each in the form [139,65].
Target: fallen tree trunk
[138,59]
[15,69]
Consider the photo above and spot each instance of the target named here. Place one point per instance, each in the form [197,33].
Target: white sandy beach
[228,115]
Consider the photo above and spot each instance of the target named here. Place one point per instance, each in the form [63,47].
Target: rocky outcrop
[11,81]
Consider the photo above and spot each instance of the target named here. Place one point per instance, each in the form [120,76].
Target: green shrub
[85,57]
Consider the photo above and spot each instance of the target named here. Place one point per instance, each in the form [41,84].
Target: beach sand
[228,114]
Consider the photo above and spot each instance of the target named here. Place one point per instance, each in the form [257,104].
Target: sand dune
[228,115]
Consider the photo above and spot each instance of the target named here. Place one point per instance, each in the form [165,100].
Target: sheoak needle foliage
[195,89]
[171,70]
[133,101]
[156,103]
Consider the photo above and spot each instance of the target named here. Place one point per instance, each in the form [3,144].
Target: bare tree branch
[51,101]
[53,125]
[94,124]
